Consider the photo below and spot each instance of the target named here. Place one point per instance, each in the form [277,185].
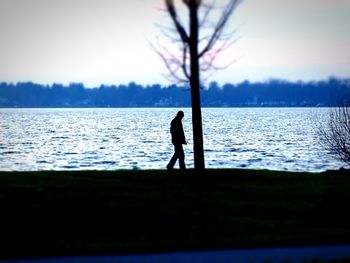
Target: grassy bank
[100,212]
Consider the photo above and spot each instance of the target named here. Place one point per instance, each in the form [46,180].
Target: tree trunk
[195,89]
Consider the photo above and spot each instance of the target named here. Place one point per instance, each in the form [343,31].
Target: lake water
[108,139]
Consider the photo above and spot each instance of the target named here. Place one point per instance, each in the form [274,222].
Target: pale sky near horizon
[106,41]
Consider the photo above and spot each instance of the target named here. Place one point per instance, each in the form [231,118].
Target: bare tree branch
[171,62]
[180,29]
[207,11]
[218,29]
[335,134]
[184,62]
[215,42]
[170,34]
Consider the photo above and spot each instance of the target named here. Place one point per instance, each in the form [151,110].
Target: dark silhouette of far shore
[244,94]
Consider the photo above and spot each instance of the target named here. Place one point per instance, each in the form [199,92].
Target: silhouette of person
[178,139]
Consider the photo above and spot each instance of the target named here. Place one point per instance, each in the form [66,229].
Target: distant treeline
[272,93]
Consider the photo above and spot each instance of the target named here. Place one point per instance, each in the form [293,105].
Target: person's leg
[181,156]
[173,160]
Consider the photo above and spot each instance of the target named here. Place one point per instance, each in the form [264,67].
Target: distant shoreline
[271,93]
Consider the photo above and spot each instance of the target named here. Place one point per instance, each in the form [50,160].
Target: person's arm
[183,135]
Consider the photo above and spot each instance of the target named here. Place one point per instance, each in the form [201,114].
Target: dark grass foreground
[118,212]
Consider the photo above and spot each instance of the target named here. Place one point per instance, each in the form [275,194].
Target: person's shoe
[168,167]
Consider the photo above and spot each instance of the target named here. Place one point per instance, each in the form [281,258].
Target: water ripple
[108,139]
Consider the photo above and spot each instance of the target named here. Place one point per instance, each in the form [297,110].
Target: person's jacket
[177,132]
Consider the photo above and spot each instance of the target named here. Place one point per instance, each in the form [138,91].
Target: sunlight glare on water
[108,139]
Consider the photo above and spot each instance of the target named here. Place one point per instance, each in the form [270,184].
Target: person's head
[180,114]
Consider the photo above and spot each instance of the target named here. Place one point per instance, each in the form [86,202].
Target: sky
[107,41]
